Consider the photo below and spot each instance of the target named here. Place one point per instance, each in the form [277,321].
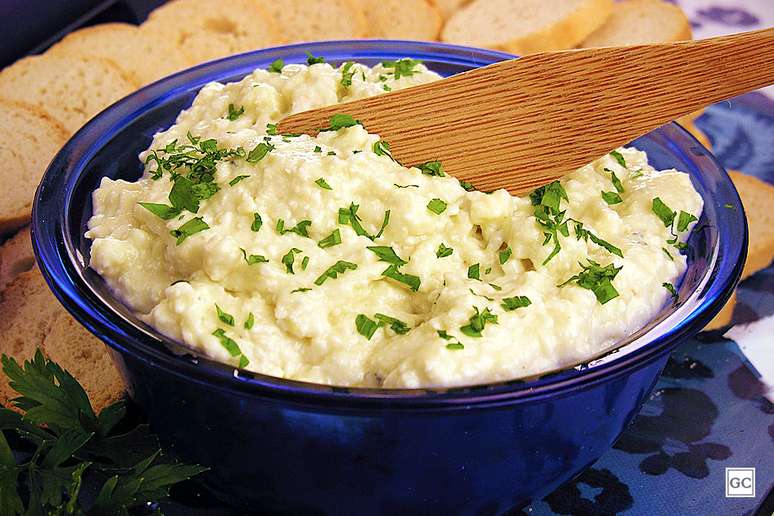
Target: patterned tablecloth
[712,408]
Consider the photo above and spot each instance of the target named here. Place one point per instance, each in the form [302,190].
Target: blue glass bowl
[288,447]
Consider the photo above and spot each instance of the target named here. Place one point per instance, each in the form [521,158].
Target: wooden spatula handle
[521,123]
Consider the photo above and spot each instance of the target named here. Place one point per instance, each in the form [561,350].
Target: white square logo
[740,482]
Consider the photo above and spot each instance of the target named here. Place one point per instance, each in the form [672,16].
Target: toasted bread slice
[32,319]
[16,256]
[724,317]
[402,19]
[758,198]
[29,138]
[71,89]
[446,8]
[203,30]
[312,20]
[637,22]
[526,26]
[696,132]
[144,55]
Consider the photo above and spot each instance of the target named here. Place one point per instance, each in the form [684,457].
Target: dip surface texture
[322,259]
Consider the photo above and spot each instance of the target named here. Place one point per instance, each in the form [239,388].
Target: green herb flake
[392,272]
[402,67]
[317,148]
[161,210]
[432,168]
[322,183]
[257,222]
[386,87]
[271,129]
[547,201]
[453,346]
[672,291]
[619,158]
[331,153]
[300,229]
[231,346]
[684,220]
[340,121]
[234,113]
[669,255]
[223,316]
[289,259]
[304,289]
[663,212]
[366,326]
[250,321]
[437,206]
[253,258]
[468,187]
[729,206]
[478,322]
[382,148]
[504,255]
[585,234]
[443,251]
[598,279]
[387,254]
[349,216]
[304,263]
[259,152]
[346,74]
[188,229]
[311,59]
[332,272]
[611,198]
[396,325]
[474,271]
[236,180]
[405,186]
[510,304]
[616,182]
[331,240]
[276,66]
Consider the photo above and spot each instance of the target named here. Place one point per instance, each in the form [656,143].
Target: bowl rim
[55,254]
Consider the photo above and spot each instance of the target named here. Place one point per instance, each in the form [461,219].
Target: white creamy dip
[285,298]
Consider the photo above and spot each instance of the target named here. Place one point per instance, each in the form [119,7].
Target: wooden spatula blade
[522,123]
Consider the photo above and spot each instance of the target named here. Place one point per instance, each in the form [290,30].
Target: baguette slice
[724,317]
[637,22]
[203,30]
[144,55]
[16,256]
[312,20]
[689,126]
[29,138]
[402,19]
[447,8]
[758,198]
[34,319]
[71,89]
[526,26]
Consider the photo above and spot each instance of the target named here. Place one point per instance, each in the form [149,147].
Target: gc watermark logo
[740,482]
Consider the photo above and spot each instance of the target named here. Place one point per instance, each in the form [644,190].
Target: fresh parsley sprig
[598,279]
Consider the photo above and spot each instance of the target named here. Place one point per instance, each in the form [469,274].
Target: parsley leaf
[585,234]
[432,168]
[346,74]
[669,255]
[387,254]
[340,267]
[236,180]
[190,228]
[672,291]
[474,271]
[231,346]
[349,216]
[437,206]
[233,113]
[663,212]
[504,255]
[616,182]
[289,259]
[478,322]
[618,157]
[257,222]
[322,183]
[161,210]
[250,321]
[311,59]
[271,129]
[392,272]
[365,326]
[382,148]
[253,258]
[299,229]
[468,187]
[512,303]
[684,220]
[277,66]
[331,240]
[611,198]
[444,251]
[402,67]
[395,325]
[547,201]
[454,346]
[259,152]
[340,121]
[598,279]
[224,317]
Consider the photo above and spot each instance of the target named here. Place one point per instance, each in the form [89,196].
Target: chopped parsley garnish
[444,251]
[190,228]
[510,304]
[616,182]
[598,279]
[546,201]
[684,220]
[437,206]
[392,272]
[496,287]
[618,157]
[257,222]
[637,174]
[504,255]
[317,148]
[366,326]
[405,186]
[669,255]
[250,321]
[311,59]
[395,325]
[454,346]
[277,66]
[334,270]
[474,271]
[271,129]
[304,263]
[304,289]
[259,152]
[386,87]
[402,67]
[161,210]
[340,121]
[322,183]
[432,168]
[231,346]
[224,317]
[586,235]
[387,254]
[671,289]
[349,216]
[382,148]
[300,229]
[346,74]
[480,295]
[663,212]
[289,259]
[478,322]
[331,240]
[611,198]
[729,206]
[331,153]
[236,180]
[253,258]
[468,187]
[667,216]
[234,113]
